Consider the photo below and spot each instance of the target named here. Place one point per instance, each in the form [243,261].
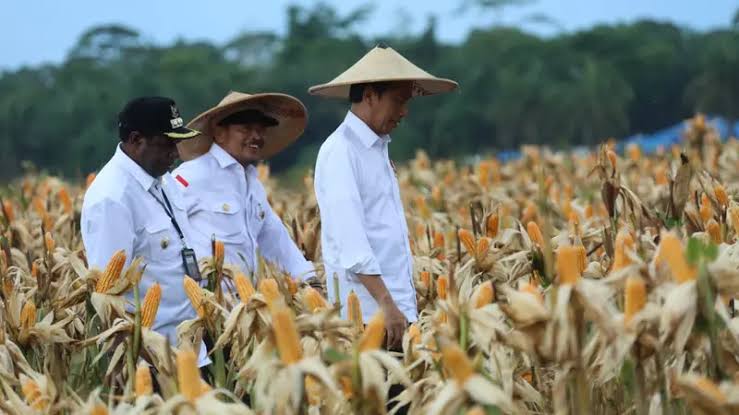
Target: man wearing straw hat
[219,171]
[364,234]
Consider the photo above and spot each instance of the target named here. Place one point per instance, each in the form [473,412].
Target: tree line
[516,87]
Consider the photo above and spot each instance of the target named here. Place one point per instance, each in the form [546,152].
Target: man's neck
[362,113]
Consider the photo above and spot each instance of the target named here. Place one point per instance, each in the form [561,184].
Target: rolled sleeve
[342,215]
[107,227]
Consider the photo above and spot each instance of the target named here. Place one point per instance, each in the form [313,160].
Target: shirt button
[226,207]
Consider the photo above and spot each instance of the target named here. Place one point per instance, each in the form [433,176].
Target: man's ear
[135,138]
[219,132]
[369,95]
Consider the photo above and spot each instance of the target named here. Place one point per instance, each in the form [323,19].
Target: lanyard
[170,212]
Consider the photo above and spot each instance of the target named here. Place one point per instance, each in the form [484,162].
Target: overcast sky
[36,31]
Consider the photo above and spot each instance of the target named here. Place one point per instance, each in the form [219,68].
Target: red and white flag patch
[182,180]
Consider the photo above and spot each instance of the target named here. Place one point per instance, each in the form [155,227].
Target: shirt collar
[134,170]
[361,129]
[224,159]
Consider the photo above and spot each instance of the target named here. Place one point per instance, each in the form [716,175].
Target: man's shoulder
[340,142]
[193,171]
[109,185]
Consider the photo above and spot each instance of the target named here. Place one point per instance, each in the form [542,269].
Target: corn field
[557,283]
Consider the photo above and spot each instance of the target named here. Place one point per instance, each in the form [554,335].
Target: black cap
[154,115]
[249,116]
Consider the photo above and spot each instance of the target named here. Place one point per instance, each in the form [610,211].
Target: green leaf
[710,252]
[694,251]
[332,356]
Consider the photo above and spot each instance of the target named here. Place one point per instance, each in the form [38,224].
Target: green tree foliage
[572,89]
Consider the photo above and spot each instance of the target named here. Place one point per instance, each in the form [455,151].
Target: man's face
[154,153]
[388,109]
[244,142]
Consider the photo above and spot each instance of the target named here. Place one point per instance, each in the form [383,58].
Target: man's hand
[395,324]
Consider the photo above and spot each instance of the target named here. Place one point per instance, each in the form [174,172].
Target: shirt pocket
[162,241]
[224,218]
[257,215]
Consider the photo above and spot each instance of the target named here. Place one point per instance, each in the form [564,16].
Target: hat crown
[232,97]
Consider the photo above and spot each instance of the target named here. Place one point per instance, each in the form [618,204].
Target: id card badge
[191,264]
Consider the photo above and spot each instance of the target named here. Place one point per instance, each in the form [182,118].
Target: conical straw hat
[289,112]
[384,64]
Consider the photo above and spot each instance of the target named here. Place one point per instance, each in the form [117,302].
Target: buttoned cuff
[366,266]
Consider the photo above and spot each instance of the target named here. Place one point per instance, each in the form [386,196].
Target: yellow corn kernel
[269,289]
[568,264]
[442,286]
[457,363]
[244,287]
[624,243]
[721,196]
[483,295]
[373,334]
[491,225]
[535,233]
[286,335]
[112,272]
[354,310]
[195,294]
[670,251]
[714,231]
[439,244]
[8,210]
[219,252]
[467,240]
[28,314]
[49,242]
[708,387]
[188,375]
[150,306]
[313,301]
[529,213]
[635,297]
[32,394]
[65,200]
[706,210]
[143,386]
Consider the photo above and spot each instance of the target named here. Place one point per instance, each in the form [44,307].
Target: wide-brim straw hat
[288,111]
[383,64]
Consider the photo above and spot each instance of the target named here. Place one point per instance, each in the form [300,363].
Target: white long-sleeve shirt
[232,205]
[363,227]
[120,211]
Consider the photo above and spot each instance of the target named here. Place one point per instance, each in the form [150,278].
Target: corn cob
[436,195]
[286,336]
[531,289]
[439,244]
[112,272]
[218,254]
[708,387]
[660,176]
[49,242]
[714,231]
[483,295]
[491,225]
[529,213]
[65,200]
[535,233]
[354,310]
[568,264]
[425,278]
[457,363]
[346,386]
[373,334]
[188,375]
[612,158]
[292,286]
[467,240]
[476,410]
[634,152]
[624,242]
[143,385]
[313,300]
[195,294]
[150,305]
[244,287]
[706,210]
[415,334]
[721,196]
[269,289]
[99,409]
[670,251]
[635,297]
[90,178]
[8,210]
[28,314]
[483,173]
[442,285]
[481,250]
[588,211]
[32,394]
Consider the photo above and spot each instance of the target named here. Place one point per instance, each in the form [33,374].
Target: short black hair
[356,91]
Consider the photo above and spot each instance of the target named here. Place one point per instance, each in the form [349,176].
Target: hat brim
[182,133]
[421,86]
[289,113]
